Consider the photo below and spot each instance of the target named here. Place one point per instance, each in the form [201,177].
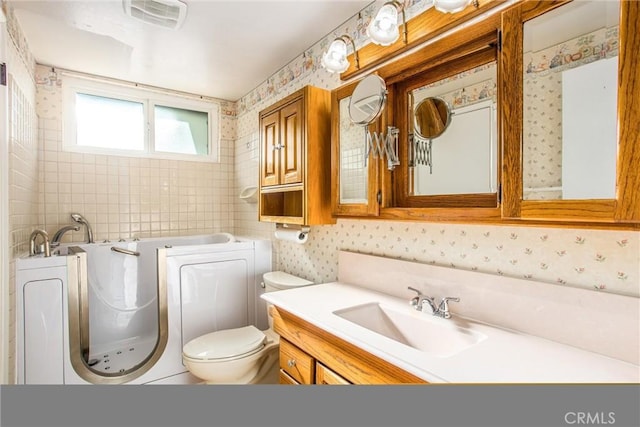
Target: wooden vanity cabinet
[295,159]
[311,355]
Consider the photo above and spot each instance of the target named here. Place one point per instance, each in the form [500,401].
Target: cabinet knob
[291,363]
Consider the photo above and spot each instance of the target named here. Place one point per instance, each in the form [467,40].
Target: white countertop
[505,356]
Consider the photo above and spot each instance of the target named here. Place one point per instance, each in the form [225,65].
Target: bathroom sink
[431,335]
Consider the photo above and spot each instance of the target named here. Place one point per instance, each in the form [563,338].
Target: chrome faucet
[420,300]
[55,241]
[32,242]
[81,220]
[427,304]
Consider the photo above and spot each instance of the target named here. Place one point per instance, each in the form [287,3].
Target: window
[109,119]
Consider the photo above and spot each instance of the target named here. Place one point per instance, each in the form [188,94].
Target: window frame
[149,99]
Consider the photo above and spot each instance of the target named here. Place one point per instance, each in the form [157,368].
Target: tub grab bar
[124,251]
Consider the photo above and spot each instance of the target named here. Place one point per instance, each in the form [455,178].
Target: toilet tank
[279,281]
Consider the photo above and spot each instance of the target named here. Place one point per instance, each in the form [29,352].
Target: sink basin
[434,336]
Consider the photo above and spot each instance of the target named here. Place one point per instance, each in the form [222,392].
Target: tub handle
[124,251]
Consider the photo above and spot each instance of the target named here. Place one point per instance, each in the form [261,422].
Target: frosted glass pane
[109,123]
[181,131]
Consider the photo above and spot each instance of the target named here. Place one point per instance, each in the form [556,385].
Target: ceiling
[224,49]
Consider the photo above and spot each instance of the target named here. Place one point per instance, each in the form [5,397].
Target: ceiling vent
[162,13]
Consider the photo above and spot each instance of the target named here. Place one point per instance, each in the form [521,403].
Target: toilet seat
[228,344]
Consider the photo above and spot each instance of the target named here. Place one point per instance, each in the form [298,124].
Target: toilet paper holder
[298,233]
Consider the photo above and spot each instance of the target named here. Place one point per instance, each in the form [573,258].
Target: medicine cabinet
[526,88]
[570,109]
[429,183]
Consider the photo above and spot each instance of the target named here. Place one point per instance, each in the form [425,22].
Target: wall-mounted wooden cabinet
[295,158]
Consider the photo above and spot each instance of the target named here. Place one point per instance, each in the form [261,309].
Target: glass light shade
[450,6]
[334,59]
[383,30]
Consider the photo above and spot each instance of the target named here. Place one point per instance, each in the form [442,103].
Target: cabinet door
[325,376]
[355,185]
[290,148]
[541,132]
[270,152]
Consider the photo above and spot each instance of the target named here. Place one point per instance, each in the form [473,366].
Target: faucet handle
[415,301]
[444,306]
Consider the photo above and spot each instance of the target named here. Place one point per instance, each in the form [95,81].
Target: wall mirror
[452,147]
[368,100]
[569,102]
[353,172]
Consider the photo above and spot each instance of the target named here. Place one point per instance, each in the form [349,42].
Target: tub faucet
[81,220]
[32,242]
[55,241]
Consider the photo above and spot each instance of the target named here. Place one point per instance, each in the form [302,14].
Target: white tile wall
[124,197]
[23,163]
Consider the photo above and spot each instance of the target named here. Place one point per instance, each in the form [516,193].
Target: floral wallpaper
[606,261]
[542,155]
[467,91]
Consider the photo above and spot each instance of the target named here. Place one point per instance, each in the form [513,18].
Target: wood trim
[420,29]
[628,178]
[317,159]
[347,360]
[326,376]
[449,49]
[510,99]
[285,379]
[467,215]
[569,210]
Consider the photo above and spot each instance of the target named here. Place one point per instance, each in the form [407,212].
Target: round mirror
[368,100]
[431,118]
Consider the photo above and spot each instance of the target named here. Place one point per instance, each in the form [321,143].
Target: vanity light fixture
[453,6]
[335,59]
[383,30]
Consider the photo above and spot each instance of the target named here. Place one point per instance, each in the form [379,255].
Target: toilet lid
[225,344]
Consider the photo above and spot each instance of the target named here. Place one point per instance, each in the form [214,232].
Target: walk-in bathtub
[120,312]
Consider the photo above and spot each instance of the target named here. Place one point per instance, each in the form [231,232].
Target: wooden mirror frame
[404,119]
[625,208]
[371,208]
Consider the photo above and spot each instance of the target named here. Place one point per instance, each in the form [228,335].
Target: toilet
[243,355]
